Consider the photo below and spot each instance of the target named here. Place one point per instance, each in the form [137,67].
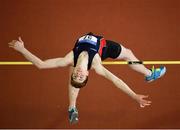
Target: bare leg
[73,93]
[128,55]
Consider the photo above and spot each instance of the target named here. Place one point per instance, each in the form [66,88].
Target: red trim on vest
[102,44]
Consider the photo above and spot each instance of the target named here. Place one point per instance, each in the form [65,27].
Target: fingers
[143,105]
[11,46]
[149,101]
[12,42]
[19,38]
[147,104]
[144,102]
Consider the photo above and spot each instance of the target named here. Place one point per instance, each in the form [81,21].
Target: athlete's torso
[91,43]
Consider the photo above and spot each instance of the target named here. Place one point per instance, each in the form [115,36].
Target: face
[79,75]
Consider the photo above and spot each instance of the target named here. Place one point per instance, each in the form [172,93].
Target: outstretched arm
[18,45]
[119,83]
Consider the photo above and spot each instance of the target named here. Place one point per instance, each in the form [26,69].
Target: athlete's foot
[73,115]
[156,73]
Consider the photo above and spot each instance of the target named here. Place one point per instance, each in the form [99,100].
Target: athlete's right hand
[17,45]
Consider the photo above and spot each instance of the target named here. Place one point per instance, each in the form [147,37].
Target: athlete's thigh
[124,52]
[113,49]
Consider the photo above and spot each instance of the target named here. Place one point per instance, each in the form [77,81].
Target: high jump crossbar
[104,62]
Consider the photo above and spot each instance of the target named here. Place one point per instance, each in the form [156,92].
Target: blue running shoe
[73,115]
[156,73]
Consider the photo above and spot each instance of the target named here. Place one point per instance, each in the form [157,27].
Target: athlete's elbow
[42,66]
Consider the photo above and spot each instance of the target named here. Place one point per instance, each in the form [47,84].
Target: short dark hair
[77,84]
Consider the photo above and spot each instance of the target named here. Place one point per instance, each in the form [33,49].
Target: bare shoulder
[69,58]
[69,55]
[96,61]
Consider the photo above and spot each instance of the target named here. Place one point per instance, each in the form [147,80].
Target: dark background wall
[32,98]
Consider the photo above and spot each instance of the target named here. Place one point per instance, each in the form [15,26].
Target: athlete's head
[79,77]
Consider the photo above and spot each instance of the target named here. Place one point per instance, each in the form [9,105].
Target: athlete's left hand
[142,102]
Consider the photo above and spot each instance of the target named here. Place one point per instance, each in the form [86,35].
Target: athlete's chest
[88,39]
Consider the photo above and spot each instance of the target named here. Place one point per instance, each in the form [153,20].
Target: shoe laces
[153,69]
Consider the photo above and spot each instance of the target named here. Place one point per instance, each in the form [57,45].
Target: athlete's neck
[83,60]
